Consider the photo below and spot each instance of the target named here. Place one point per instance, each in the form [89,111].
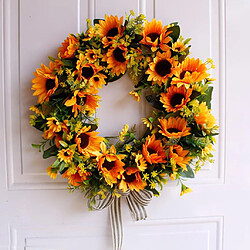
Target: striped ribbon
[136,203]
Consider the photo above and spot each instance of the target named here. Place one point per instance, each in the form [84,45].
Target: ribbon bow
[136,203]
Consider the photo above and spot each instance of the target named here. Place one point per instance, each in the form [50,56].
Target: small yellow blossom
[69,136]
[154,174]
[135,95]
[78,126]
[145,176]
[52,175]
[147,123]
[185,190]
[207,150]
[123,132]
[152,185]
[128,147]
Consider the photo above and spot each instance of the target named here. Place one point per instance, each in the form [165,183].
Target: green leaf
[64,144]
[175,32]
[52,151]
[187,174]
[68,63]
[96,21]
[207,97]
[63,167]
[35,145]
[187,41]
[56,163]
[154,102]
[194,94]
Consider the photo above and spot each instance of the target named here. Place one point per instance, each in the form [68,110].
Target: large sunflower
[83,101]
[175,127]
[153,151]
[204,116]
[88,142]
[116,59]
[68,48]
[45,83]
[189,71]
[161,68]
[180,156]
[110,164]
[155,35]
[110,27]
[175,98]
[132,180]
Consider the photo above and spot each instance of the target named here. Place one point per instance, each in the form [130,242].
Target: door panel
[39,213]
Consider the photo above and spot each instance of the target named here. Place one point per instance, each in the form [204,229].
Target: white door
[39,213]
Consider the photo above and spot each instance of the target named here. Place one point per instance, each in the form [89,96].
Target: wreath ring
[179,134]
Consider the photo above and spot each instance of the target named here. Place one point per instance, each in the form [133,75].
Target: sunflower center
[163,67]
[174,151]
[112,32]
[80,100]
[84,140]
[153,36]
[173,130]
[108,164]
[182,74]
[118,55]
[87,72]
[92,55]
[129,178]
[151,151]
[176,99]
[50,84]
[66,153]
[96,79]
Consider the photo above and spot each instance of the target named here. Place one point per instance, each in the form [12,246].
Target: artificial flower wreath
[178,135]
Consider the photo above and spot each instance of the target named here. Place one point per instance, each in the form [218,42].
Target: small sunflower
[161,68]
[92,55]
[77,177]
[69,46]
[110,164]
[116,59]
[83,101]
[88,142]
[175,127]
[45,83]
[86,71]
[155,35]
[204,116]
[132,180]
[153,151]
[51,172]
[180,156]
[178,46]
[190,71]
[175,98]
[65,155]
[98,80]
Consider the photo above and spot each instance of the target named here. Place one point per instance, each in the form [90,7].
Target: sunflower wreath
[179,135]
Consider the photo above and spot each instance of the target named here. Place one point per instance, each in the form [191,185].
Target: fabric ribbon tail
[116,223]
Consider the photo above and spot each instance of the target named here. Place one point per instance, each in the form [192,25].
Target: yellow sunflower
[65,155]
[161,68]
[180,156]
[155,35]
[190,71]
[110,164]
[69,46]
[92,55]
[88,142]
[83,101]
[45,83]
[153,151]
[77,177]
[204,116]
[175,98]
[110,27]
[178,46]
[116,59]
[85,70]
[132,180]
[175,127]
[98,80]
